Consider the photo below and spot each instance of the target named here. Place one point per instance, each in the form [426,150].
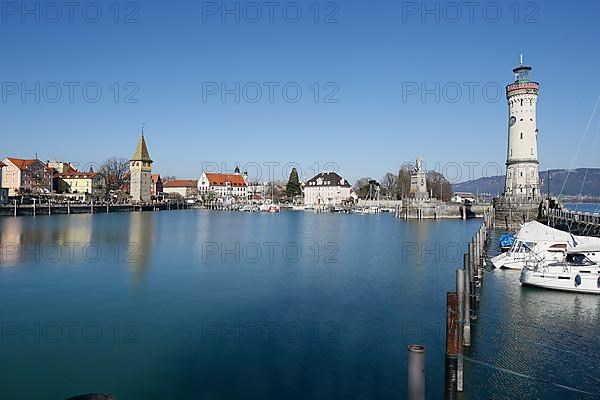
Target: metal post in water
[460,289]
[416,372]
[466,306]
[451,370]
[474,281]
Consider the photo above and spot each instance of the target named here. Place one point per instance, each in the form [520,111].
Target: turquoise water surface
[210,305]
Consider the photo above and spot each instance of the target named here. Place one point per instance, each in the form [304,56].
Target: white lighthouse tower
[522,166]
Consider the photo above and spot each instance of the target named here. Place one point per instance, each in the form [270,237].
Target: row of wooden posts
[49,209]
[462,308]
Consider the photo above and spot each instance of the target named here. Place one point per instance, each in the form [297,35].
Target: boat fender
[577,280]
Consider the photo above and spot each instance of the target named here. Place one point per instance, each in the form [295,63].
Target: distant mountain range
[574,185]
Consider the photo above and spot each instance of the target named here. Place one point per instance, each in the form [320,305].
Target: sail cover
[536,232]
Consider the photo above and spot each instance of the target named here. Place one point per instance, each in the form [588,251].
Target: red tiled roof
[20,163]
[181,183]
[221,179]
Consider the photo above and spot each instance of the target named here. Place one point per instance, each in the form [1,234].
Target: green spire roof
[141,151]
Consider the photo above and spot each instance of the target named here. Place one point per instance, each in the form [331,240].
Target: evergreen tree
[293,188]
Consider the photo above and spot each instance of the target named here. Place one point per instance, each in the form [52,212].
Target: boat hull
[578,282]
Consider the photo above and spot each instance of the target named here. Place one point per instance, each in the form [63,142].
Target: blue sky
[363,121]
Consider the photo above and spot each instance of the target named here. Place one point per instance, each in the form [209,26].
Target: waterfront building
[60,167]
[140,170]
[522,166]
[327,189]
[26,176]
[157,185]
[223,185]
[463,197]
[184,188]
[3,191]
[258,192]
[76,182]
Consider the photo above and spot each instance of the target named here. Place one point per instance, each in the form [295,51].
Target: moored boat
[576,274]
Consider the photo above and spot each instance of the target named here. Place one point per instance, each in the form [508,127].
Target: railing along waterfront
[577,222]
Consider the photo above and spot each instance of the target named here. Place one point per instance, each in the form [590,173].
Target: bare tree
[403,181]
[115,172]
[388,185]
[440,187]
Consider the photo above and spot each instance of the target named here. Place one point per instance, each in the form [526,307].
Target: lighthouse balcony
[526,86]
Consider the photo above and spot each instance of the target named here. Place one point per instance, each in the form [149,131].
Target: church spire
[141,151]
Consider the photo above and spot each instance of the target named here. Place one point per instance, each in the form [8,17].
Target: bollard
[416,372]
[15,208]
[451,346]
[460,289]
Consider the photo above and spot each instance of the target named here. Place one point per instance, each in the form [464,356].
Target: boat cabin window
[578,259]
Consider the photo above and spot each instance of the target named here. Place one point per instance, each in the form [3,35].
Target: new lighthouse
[522,166]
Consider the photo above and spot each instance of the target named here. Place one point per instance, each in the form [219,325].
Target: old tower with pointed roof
[140,170]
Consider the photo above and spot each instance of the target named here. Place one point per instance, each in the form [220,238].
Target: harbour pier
[16,210]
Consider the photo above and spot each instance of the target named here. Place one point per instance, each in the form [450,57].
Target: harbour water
[533,343]
[583,207]
[217,305]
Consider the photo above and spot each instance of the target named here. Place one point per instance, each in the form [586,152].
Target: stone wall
[512,213]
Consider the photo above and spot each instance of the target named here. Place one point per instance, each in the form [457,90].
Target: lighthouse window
[521,102]
[521,135]
[532,151]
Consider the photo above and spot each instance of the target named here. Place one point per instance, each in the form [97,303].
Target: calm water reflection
[222,305]
[195,304]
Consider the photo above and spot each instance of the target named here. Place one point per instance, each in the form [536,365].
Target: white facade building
[327,189]
[185,188]
[223,185]
[3,191]
[522,166]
